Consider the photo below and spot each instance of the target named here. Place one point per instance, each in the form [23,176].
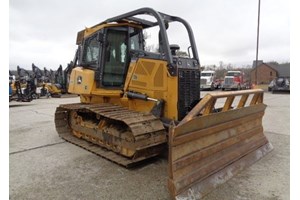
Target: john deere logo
[79,79]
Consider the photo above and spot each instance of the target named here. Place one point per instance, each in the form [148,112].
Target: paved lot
[43,166]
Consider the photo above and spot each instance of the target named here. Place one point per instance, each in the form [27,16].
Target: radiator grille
[228,81]
[188,90]
[203,81]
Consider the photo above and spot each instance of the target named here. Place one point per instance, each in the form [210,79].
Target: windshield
[206,74]
[233,73]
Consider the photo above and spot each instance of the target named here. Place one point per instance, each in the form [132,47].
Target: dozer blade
[209,146]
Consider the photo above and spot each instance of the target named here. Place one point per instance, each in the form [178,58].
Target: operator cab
[108,49]
[107,52]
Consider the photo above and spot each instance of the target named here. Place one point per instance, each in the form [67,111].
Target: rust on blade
[209,146]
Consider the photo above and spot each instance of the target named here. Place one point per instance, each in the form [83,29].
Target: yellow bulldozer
[136,104]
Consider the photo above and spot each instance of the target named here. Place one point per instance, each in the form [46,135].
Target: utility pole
[257,42]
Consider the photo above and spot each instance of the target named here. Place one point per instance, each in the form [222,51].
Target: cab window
[91,51]
[115,64]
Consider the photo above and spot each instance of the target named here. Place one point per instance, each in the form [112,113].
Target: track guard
[207,148]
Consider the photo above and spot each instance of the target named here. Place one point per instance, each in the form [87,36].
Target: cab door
[115,58]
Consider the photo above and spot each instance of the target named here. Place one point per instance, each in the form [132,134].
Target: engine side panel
[151,77]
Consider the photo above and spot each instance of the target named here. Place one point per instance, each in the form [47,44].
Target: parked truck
[234,80]
[208,80]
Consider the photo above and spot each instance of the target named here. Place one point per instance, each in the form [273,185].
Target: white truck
[207,80]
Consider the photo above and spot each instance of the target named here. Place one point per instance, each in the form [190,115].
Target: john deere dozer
[137,104]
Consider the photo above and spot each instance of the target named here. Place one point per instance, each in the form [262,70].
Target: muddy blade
[208,150]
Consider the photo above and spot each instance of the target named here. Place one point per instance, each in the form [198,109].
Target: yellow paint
[145,76]
[92,30]
[81,81]
[52,88]
[152,78]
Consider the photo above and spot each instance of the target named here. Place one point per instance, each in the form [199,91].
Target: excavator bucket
[210,145]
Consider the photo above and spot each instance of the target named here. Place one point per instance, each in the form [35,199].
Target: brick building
[266,72]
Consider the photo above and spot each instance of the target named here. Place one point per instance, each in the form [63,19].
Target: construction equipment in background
[137,104]
[11,80]
[22,87]
[45,80]
[48,75]
[37,75]
[39,81]
[52,83]
[19,94]
[12,86]
[62,77]
[60,80]
[42,79]
[23,75]
[53,89]
[67,72]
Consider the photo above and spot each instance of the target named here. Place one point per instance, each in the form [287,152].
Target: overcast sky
[43,32]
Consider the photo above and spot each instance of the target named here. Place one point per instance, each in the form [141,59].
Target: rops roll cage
[161,20]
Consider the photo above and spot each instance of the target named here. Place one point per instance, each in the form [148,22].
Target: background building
[266,72]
